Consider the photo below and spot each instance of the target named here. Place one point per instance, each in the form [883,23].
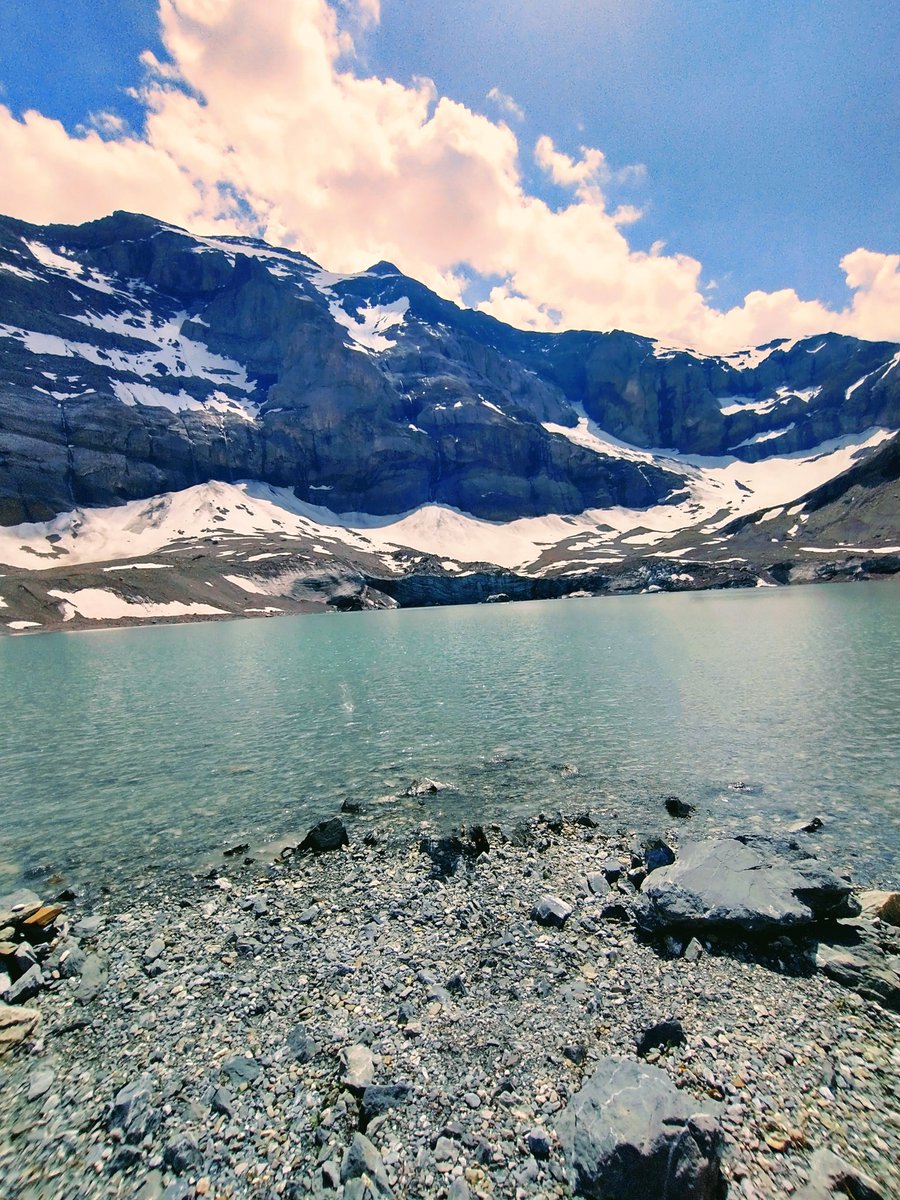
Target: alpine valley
[198,427]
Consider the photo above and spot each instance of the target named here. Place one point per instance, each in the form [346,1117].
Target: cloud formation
[262,122]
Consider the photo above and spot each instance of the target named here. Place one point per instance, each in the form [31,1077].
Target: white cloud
[505,103]
[267,103]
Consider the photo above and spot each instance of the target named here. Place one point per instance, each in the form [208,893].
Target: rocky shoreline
[453,1017]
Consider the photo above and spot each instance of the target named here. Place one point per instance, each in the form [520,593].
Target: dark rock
[133,1114]
[182,1155]
[26,987]
[424,787]
[446,852]
[629,1132]
[551,910]
[240,1070]
[222,1102]
[678,808]
[575,1054]
[327,835]
[302,1046]
[616,911]
[538,1143]
[830,1178]
[657,854]
[661,1035]
[377,1099]
[752,884]
[353,807]
[232,851]
[456,985]
[612,869]
[363,1162]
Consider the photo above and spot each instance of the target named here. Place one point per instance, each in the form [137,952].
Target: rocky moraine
[544,1010]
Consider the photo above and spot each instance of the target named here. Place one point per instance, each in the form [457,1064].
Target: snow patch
[367,329]
[100,604]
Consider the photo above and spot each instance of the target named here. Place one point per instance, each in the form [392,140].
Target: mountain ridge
[138,360]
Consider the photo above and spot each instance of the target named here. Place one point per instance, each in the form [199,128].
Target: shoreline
[834,573]
[245,998]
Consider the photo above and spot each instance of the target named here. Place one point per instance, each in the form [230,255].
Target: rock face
[137,359]
[748,883]
[630,1133]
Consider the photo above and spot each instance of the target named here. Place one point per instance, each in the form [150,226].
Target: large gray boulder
[631,1133]
[753,884]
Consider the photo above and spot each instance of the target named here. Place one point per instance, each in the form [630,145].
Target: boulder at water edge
[630,1132]
[752,884]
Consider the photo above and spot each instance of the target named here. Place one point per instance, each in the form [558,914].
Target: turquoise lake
[155,748]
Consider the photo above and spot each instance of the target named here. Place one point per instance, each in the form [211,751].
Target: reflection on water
[152,746]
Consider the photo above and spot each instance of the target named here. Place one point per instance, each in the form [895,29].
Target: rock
[89,927]
[17,906]
[240,1070]
[678,808]
[326,836]
[752,884]
[551,910]
[597,884]
[94,975]
[662,1034]
[302,1045]
[222,1102]
[865,968]
[806,825]
[39,1083]
[885,905]
[424,787]
[182,1154]
[445,852]
[377,1099]
[693,951]
[538,1143]
[26,987]
[657,854]
[359,1067]
[459,1189]
[612,870]
[362,1161]
[154,951]
[353,807]
[16,1024]
[831,1177]
[35,925]
[630,1133]
[132,1114]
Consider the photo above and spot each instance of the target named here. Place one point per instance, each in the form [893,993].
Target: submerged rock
[751,884]
[630,1133]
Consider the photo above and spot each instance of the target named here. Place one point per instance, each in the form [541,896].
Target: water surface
[156,746]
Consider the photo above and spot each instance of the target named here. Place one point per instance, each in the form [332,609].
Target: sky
[709,172]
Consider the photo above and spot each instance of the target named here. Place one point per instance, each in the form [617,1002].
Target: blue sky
[766,131]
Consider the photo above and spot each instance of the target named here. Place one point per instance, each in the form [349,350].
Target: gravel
[358,1023]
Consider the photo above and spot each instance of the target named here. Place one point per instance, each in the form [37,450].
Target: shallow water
[147,747]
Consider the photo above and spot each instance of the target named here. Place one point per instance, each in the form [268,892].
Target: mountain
[161,391]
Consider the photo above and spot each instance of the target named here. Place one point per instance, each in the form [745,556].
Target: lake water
[128,749]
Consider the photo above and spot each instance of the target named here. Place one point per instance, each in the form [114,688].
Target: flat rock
[133,1113]
[17,906]
[831,1177]
[752,884]
[240,1069]
[377,1099]
[551,910]
[39,1083]
[16,1024]
[629,1132]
